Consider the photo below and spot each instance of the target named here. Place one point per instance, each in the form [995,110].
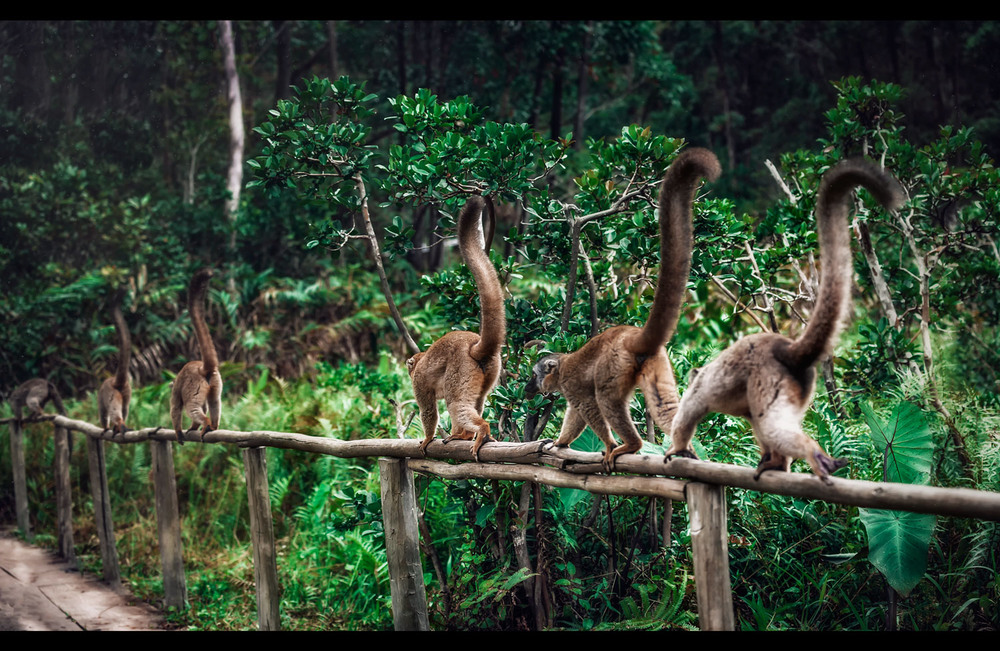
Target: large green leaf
[898,540]
[897,545]
[905,442]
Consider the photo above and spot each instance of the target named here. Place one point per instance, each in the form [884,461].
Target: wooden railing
[702,488]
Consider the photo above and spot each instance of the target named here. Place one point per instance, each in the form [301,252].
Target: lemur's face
[543,376]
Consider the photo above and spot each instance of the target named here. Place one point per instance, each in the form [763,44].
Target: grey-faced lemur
[198,384]
[599,379]
[768,378]
[463,367]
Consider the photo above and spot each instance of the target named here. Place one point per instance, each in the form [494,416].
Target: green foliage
[644,614]
[904,441]
[364,399]
[617,166]
[864,111]
[304,148]
[126,187]
[879,351]
[450,150]
[898,541]
[488,596]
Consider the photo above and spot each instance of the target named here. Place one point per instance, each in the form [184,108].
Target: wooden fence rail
[702,490]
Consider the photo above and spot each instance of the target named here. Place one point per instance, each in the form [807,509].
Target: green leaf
[897,545]
[570,497]
[905,441]
[898,540]
[484,514]
[514,579]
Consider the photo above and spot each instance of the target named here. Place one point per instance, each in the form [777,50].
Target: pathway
[41,592]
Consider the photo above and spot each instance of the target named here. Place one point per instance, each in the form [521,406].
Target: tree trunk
[32,87]
[331,34]
[432,54]
[402,56]
[234,179]
[726,103]
[924,276]
[283,78]
[536,93]
[582,85]
[558,75]
[519,533]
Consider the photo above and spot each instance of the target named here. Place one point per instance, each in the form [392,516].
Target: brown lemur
[463,367]
[599,379]
[34,394]
[198,384]
[768,378]
[116,391]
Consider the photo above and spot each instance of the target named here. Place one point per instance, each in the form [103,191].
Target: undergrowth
[795,564]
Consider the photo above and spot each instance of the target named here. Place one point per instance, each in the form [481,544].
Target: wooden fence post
[399,519]
[64,494]
[168,523]
[265,565]
[710,552]
[102,512]
[20,480]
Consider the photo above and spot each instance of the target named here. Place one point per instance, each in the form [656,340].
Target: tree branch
[359,185]
[736,303]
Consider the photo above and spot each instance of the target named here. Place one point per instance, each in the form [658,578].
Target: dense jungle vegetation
[117,146]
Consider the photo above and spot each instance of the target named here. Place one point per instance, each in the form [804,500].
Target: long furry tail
[676,195]
[833,208]
[492,318]
[196,308]
[124,340]
[56,399]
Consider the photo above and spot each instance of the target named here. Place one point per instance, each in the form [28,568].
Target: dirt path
[41,592]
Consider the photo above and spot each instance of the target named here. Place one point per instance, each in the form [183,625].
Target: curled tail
[676,195]
[196,308]
[493,321]
[124,341]
[833,208]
